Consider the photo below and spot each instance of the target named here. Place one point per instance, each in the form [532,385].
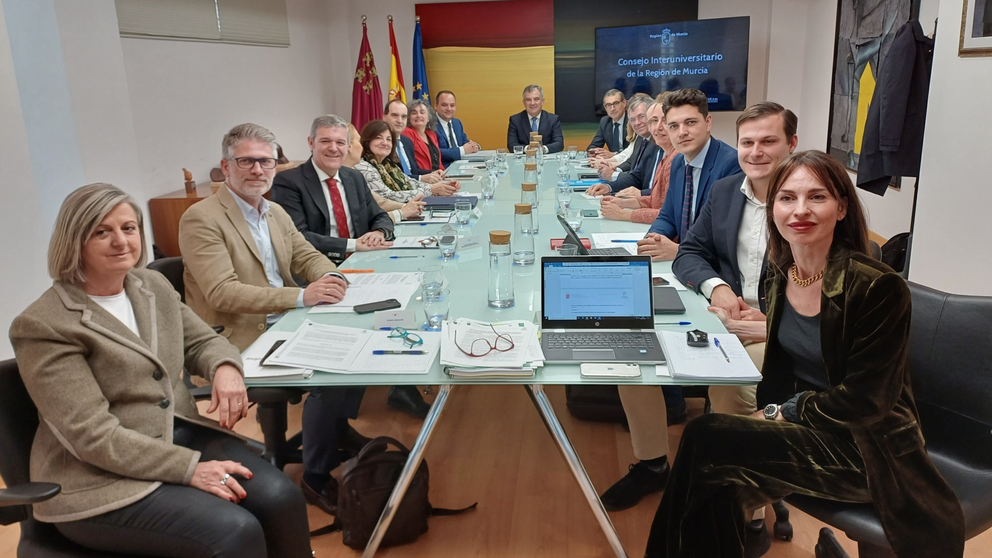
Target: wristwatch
[771,411]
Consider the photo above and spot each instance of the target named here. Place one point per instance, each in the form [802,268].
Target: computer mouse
[697,338]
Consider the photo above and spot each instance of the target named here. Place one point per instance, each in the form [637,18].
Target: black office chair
[272,403]
[18,424]
[949,356]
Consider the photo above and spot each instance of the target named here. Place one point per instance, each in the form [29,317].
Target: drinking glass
[573,151]
[563,195]
[492,166]
[568,250]
[463,211]
[488,187]
[436,309]
[518,151]
[448,243]
[502,164]
[573,216]
[563,168]
[431,279]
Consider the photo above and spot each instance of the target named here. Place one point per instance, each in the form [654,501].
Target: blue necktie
[533,123]
[686,204]
[403,162]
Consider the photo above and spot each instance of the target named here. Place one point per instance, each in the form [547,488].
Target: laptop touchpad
[593,354]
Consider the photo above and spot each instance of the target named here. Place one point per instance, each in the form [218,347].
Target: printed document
[373,287]
[709,363]
[322,347]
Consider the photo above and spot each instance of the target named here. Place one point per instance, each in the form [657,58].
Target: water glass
[502,165]
[463,211]
[563,168]
[492,166]
[448,243]
[488,187]
[573,216]
[436,309]
[568,249]
[573,152]
[563,195]
[518,151]
[431,279]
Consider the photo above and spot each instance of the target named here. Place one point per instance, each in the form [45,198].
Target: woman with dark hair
[381,167]
[839,421]
[420,129]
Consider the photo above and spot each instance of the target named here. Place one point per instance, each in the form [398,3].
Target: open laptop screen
[597,292]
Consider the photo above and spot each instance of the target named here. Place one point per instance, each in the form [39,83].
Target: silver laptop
[598,309]
[572,238]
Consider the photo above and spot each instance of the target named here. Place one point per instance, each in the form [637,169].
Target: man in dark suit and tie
[611,137]
[612,166]
[451,137]
[535,119]
[329,203]
[702,160]
[395,114]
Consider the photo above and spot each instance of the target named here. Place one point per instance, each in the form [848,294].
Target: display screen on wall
[709,55]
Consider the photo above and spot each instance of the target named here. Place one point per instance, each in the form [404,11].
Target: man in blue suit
[535,119]
[702,160]
[451,138]
[395,114]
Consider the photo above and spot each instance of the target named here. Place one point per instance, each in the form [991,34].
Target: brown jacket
[106,398]
[225,276]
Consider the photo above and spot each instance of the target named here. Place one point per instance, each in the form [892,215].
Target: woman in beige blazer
[101,354]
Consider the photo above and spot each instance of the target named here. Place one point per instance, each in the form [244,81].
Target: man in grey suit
[329,203]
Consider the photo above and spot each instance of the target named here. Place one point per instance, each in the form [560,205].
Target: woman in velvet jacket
[854,437]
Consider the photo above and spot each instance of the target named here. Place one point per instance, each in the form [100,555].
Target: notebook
[598,309]
[572,238]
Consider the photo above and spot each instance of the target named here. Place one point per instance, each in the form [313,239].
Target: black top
[799,337]
[435,156]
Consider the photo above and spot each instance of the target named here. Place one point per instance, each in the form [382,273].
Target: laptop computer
[598,309]
[572,238]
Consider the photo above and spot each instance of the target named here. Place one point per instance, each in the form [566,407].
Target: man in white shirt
[452,141]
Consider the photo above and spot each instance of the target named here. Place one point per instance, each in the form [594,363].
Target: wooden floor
[490,447]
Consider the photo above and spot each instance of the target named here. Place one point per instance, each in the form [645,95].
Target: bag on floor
[367,481]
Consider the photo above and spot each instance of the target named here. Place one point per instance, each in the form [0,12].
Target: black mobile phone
[376,306]
[275,346]
[414,218]
[590,213]
[659,281]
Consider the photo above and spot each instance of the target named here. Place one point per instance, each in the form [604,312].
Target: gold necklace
[804,282]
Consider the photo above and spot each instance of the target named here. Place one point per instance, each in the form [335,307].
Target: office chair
[272,403]
[18,424]
[949,356]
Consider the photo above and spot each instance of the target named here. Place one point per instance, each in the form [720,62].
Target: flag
[396,88]
[420,90]
[366,96]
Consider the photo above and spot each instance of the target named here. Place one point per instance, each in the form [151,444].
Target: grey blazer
[107,399]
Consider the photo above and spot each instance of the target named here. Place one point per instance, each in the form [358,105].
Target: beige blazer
[107,398]
[225,276]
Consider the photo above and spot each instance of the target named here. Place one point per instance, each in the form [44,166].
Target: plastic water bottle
[500,270]
[523,238]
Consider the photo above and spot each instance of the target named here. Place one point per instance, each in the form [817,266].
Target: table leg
[540,400]
[412,462]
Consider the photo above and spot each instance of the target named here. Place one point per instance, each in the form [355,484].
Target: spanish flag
[396,89]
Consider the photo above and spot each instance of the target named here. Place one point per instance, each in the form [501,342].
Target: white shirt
[449,132]
[259,227]
[119,306]
[697,169]
[530,126]
[622,157]
[752,241]
[323,176]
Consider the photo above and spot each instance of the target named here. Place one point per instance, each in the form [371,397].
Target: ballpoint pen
[379,352]
[673,323]
[719,346]
[400,257]
[624,241]
[357,270]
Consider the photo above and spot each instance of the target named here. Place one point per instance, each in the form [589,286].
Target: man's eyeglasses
[409,339]
[246,163]
[482,347]
[612,105]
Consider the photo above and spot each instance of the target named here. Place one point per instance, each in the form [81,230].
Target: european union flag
[420,90]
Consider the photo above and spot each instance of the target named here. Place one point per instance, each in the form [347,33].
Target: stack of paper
[349,350]
[462,335]
[709,363]
[253,355]
[617,240]
[480,155]
[364,288]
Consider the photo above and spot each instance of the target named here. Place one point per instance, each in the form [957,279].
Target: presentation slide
[709,55]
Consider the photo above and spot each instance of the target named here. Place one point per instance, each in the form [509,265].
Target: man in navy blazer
[305,192]
[451,138]
[395,114]
[611,137]
[535,119]
[708,160]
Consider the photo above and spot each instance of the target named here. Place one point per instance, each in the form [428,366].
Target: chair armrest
[28,493]
[201,393]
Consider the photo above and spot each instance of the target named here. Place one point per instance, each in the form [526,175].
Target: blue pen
[719,346]
[400,257]
[673,323]
[405,353]
[624,241]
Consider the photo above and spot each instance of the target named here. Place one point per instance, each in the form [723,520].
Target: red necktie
[338,209]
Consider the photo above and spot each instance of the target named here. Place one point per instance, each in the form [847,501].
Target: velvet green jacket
[865,311]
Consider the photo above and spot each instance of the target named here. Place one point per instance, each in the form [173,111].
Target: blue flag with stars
[420,90]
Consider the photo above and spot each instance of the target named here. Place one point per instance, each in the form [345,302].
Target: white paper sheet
[322,347]
[708,363]
[373,287]
[407,242]
[605,240]
[522,333]
[368,363]
[252,357]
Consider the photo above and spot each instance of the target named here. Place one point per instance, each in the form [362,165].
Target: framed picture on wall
[976,28]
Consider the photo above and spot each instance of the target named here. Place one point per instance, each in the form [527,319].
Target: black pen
[378,352]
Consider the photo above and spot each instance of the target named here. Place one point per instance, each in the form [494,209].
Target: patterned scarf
[391,173]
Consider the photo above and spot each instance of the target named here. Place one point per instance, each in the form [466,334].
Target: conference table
[467,280]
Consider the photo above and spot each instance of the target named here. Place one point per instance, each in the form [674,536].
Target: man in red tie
[329,203]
